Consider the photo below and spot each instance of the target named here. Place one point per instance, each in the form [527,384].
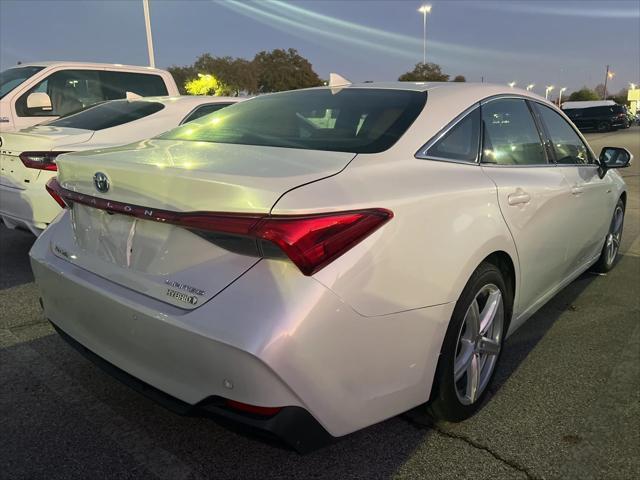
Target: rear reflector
[310,241]
[40,160]
[245,407]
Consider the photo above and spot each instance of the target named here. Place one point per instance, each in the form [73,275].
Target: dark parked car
[602,119]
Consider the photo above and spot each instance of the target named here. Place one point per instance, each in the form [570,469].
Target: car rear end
[27,162]
[171,268]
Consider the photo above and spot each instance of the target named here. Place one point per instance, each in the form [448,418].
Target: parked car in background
[315,261]
[28,157]
[601,118]
[32,93]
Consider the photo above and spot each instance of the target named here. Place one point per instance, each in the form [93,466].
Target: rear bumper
[293,426]
[31,208]
[279,338]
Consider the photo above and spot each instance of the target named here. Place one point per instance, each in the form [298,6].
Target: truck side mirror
[40,100]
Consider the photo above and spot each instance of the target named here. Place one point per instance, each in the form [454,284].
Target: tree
[425,72]
[459,78]
[205,85]
[621,96]
[279,70]
[583,94]
[182,75]
[236,74]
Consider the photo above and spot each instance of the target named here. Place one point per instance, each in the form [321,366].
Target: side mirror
[39,100]
[615,157]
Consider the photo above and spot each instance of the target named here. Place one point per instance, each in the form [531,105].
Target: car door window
[460,143]
[510,135]
[69,91]
[568,147]
[203,110]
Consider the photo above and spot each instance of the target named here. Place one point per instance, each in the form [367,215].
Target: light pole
[563,89]
[530,87]
[512,84]
[608,76]
[547,90]
[424,9]
[147,24]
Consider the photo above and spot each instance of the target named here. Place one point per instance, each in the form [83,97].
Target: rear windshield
[108,114]
[350,120]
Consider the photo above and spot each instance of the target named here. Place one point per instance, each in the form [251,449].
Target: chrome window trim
[421,154]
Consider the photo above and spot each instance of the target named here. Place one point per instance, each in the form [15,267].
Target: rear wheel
[604,127]
[612,241]
[472,345]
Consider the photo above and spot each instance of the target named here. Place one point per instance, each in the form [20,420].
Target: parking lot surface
[565,404]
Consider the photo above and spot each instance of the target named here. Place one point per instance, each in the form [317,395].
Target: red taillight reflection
[40,160]
[310,241]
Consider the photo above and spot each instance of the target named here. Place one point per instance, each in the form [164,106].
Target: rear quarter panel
[446,221]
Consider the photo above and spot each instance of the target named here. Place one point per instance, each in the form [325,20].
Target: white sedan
[28,157]
[313,262]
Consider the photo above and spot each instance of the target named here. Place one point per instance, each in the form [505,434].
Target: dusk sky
[560,43]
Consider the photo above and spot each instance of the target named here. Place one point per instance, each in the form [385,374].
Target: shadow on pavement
[14,257]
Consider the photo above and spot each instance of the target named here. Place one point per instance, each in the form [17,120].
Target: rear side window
[108,114]
[510,135]
[203,110]
[357,120]
[116,84]
[460,143]
[568,147]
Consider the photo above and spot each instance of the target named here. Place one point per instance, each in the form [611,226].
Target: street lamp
[512,84]
[530,86]
[563,89]
[424,9]
[547,90]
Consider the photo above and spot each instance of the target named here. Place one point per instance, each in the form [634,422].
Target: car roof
[115,66]
[468,89]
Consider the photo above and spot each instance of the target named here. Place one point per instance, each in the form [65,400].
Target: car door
[532,192]
[592,197]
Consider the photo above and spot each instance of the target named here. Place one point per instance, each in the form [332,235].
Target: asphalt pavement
[565,404]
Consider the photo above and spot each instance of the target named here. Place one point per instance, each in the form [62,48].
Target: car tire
[604,127]
[457,395]
[612,241]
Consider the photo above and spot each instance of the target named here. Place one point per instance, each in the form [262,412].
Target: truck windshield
[12,77]
[357,120]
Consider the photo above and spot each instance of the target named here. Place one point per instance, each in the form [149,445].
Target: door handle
[519,197]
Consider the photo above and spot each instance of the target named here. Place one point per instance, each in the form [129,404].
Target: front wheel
[472,345]
[604,127]
[612,241]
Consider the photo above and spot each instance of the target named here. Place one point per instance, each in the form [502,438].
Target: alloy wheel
[612,244]
[479,343]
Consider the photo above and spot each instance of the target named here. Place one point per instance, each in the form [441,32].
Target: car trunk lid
[178,265]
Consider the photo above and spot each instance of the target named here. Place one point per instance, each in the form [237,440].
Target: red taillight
[40,160]
[313,241]
[254,409]
[52,187]
[310,241]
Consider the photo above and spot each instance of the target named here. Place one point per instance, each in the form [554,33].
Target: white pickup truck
[32,93]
